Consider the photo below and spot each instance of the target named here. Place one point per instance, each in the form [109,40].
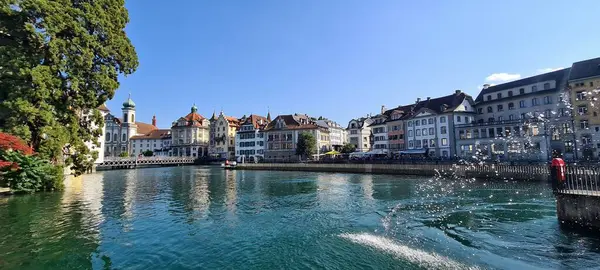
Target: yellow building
[222,136]
[584,88]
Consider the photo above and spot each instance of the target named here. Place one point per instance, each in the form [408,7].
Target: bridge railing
[582,180]
[144,158]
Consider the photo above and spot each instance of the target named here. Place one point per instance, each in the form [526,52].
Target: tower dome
[129,103]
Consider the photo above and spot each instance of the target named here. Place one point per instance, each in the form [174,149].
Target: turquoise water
[209,218]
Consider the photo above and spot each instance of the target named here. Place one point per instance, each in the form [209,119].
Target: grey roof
[558,75]
[585,69]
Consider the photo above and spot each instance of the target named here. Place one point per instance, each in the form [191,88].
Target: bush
[28,174]
[9,142]
[123,154]
[148,153]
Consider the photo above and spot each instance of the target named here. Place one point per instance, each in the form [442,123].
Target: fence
[491,171]
[580,180]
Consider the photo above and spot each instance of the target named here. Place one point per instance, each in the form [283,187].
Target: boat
[228,165]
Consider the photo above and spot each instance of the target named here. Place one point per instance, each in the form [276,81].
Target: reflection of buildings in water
[199,197]
[231,191]
[93,193]
[366,182]
[129,196]
[333,188]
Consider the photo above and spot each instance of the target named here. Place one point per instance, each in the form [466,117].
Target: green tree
[123,154]
[148,153]
[307,145]
[59,61]
[348,148]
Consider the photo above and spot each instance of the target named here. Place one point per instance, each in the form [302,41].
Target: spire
[154,120]
[128,103]
[268,115]
[194,108]
[213,117]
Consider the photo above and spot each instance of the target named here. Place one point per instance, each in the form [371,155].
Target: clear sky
[340,58]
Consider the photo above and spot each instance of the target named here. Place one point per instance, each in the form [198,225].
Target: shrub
[30,173]
[9,142]
[123,154]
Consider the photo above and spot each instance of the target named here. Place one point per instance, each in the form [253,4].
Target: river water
[209,218]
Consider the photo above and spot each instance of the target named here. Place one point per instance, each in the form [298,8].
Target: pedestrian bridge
[136,162]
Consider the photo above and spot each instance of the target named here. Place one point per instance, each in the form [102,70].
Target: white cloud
[546,70]
[502,77]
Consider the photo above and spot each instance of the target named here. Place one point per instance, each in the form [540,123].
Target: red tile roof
[255,120]
[155,134]
[143,128]
[295,121]
[103,108]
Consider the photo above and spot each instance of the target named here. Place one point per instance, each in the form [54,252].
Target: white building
[337,134]
[359,133]
[430,129]
[380,132]
[117,131]
[519,120]
[250,138]
[190,135]
[158,141]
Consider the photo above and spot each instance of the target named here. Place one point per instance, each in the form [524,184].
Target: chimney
[428,98]
[458,91]
[418,100]
[154,120]
[382,109]
[485,86]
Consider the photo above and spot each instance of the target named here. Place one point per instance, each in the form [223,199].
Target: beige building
[584,88]
[190,135]
[283,132]
[222,136]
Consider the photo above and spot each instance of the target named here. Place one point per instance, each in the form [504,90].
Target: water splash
[415,256]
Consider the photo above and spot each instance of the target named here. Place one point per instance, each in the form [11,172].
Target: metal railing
[580,180]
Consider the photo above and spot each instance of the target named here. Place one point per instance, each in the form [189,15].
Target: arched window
[489,109]
[133,118]
[107,136]
[115,137]
[124,137]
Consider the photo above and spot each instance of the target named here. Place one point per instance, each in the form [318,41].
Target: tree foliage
[348,148]
[123,154]
[29,173]
[307,145]
[59,61]
[148,153]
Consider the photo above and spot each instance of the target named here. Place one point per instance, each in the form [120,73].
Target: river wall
[504,172]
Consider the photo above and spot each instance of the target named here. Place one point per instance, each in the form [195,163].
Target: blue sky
[340,58]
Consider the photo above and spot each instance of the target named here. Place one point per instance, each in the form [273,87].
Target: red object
[559,165]
[8,141]
[226,162]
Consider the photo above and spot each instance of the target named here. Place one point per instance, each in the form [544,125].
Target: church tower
[128,127]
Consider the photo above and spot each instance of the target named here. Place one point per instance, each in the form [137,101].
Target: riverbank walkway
[136,162]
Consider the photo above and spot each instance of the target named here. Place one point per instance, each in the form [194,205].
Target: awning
[413,151]
[333,152]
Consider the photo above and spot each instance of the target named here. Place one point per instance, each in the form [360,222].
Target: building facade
[190,135]
[118,131]
[523,119]
[153,141]
[379,132]
[431,124]
[250,139]
[337,134]
[584,88]
[359,133]
[222,136]
[395,127]
[282,136]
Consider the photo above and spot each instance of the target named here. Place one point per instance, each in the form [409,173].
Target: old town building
[283,132]
[359,133]
[584,88]
[118,131]
[222,136]
[250,138]
[190,135]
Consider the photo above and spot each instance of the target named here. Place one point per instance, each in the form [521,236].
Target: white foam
[419,257]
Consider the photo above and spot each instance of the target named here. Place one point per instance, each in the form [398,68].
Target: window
[522,104]
[499,132]
[353,132]
[580,95]
[522,91]
[432,143]
[418,132]
[569,147]
[595,113]
[444,141]
[489,109]
[443,130]
[458,119]
[425,143]
[583,124]
[431,131]
[582,110]
[500,118]
[417,123]
[489,97]
[499,95]
[107,137]
[511,117]
[546,86]
[597,129]
[424,132]
[480,121]
[430,121]
[410,123]
[510,93]
[592,84]
[410,133]
[411,144]
[418,144]
[500,107]
[491,132]
[511,106]
[535,102]
[424,122]
[491,119]
[442,119]
[534,88]
[547,100]
[523,116]
[548,113]
[124,137]
[480,110]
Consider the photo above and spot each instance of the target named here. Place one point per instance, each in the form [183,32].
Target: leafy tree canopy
[307,145]
[148,153]
[59,61]
[348,148]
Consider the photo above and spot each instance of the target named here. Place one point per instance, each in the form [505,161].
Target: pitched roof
[255,120]
[103,108]
[233,121]
[557,75]
[143,128]
[585,69]
[440,105]
[155,134]
[295,121]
